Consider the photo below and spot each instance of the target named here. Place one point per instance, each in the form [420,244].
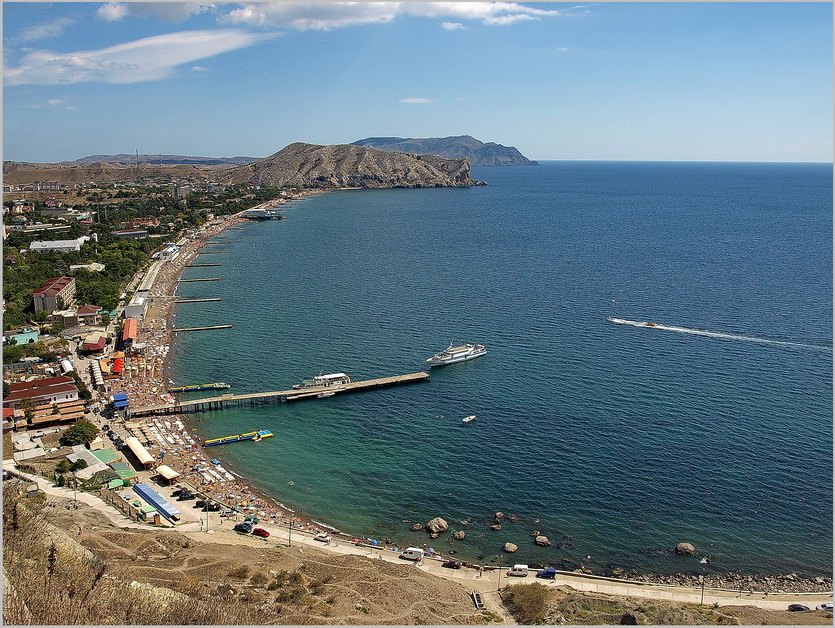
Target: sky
[715,81]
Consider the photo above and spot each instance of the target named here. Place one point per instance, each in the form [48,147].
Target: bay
[616,441]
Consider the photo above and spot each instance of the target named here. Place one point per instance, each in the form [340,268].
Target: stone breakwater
[789,583]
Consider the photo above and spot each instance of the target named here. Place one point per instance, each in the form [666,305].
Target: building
[137,306]
[58,246]
[73,317]
[130,234]
[179,191]
[42,391]
[129,333]
[22,336]
[93,267]
[56,289]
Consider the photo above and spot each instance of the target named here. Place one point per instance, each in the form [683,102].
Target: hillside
[455,147]
[350,166]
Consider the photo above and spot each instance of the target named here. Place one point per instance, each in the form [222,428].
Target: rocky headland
[348,166]
[479,153]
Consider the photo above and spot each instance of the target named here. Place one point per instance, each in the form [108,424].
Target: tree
[27,404]
[79,434]
[63,466]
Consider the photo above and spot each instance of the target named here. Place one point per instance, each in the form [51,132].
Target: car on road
[252,520]
[178,492]
[186,496]
[798,607]
[200,503]
[261,532]
[826,606]
[321,536]
[228,513]
[243,527]
[213,507]
[452,564]
[549,573]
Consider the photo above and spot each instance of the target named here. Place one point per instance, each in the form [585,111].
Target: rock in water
[459,535]
[437,525]
[686,548]
[542,540]
[415,527]
[510,547]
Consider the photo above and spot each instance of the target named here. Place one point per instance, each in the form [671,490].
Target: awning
[118,365]
[120,400]
[156,500]
[139,450]
[167,472]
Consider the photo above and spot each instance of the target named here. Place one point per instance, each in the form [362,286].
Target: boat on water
[235,438]
[196,387]
[326,394]
[263,214]
[322,381]
[467,419]
[451,354]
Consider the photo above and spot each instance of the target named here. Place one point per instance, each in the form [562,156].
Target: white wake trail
[715,334]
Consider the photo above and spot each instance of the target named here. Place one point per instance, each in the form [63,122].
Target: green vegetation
[528,603]
[81,433]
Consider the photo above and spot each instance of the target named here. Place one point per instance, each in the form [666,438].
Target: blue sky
[618,80]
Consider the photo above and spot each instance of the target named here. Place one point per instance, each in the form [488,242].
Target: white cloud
[164,11]
[328,15]
[416,101]
[45,31]
[143,60]
[199,68]
[452,26]
[51,103]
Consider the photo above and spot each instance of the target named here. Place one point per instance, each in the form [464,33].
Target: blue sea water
[616,441]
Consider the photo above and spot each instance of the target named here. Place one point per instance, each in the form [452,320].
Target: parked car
[200,503]
[186,496]
[452,564]
[178,492]
[826,606]
[518,570]
[213,507]
[549,573]
[243,527]
[321,536]
[228,513]
[252,520]
[261,532]
[798,607]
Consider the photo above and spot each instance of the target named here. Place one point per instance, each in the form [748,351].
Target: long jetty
[197,300]
[276,396]
[200,265]
[226,326]
[206,279]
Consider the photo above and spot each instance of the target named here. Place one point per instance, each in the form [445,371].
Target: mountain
[479,153]
[351,166]
[126,159]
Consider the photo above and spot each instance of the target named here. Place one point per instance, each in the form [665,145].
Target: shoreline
[194,463]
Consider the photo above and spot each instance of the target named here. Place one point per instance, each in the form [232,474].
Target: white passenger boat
[320,381]
[451,354]
[467,419]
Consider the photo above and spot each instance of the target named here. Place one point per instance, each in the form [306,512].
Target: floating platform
[196,387]
[254,436]
[277,396]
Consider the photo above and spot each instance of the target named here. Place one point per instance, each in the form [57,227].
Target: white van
[518,570]
[412,553]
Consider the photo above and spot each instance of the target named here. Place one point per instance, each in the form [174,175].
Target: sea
[615,439]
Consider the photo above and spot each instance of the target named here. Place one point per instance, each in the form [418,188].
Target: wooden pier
[227,326]
[200,265]
[206,279]
[204,252]
[197,300]
[277,396]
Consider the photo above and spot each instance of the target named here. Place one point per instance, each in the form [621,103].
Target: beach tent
[167,472]
[138,449]
[120,400]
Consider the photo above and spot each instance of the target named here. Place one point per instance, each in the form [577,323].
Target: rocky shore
[768,584]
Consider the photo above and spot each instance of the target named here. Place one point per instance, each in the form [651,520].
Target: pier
[197,300]
[277,396]
[226,326]
[204,252]
[200,265]
[206,279]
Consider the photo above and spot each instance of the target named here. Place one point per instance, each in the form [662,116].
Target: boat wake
[717,334]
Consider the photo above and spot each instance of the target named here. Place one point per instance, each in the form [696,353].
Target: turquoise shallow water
[616,441]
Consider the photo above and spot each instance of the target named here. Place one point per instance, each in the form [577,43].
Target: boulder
[510,547]
[686,548]
[434,535]
[459,535]
[416,527]
[498,516]
[437,525]
[536,533]
[495,526]
[511,517]
[542,540]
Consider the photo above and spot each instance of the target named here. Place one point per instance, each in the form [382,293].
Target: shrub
[528,603]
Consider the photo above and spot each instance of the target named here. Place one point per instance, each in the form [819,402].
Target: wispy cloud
[149,59]
[49,104]
[416,101]
[330,15]
[452,26]
[163,11]
[44,31]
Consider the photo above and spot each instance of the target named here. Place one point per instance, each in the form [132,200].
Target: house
[22,336]
[58,246]
[129,332]
[94,344]
[75,316]
[130,234]
[49,390]
[89,314]
[56,289]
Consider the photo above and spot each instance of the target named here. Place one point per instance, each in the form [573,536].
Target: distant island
[455,147]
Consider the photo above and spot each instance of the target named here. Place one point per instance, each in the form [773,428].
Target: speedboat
[451,354]
[467,419]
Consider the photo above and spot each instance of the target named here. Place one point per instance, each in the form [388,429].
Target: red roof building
[129,330]
[41,391]
[55,289]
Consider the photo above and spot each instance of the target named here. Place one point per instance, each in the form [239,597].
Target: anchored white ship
[451,354]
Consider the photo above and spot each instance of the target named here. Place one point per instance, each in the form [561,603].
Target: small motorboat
[467,419]
[325,395]
[650,325]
